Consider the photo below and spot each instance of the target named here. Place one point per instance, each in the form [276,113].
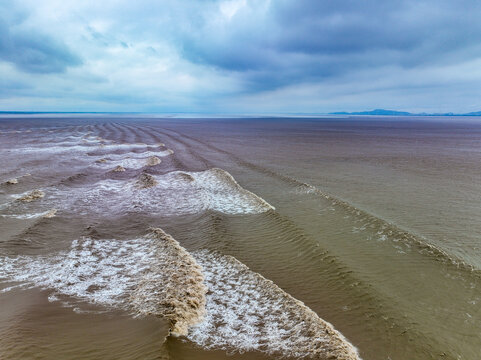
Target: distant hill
[374,112]
[385,112]
[378,112]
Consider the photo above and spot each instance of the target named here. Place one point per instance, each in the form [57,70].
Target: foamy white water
[95,271]
[247,312]
[243,311]
[175,193]
[375,226]
[130,160]
[152,275]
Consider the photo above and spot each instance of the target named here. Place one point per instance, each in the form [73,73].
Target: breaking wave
[132,160]
[247,312]
[44,214]
[89,143]
[174,193]
[31,196]
[173,287]
[213,300]
[152,275]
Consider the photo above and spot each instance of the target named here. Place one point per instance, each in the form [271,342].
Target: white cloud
[231,7]
[241,56]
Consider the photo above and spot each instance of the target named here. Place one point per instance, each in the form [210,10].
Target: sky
[240,56]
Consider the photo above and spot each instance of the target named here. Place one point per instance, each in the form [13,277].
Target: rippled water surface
[151,238]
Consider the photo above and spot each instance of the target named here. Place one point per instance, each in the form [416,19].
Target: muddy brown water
[373,224]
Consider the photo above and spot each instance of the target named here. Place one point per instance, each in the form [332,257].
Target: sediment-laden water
[244,238]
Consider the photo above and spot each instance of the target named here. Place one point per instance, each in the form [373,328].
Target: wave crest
[247,312]
[152,275]
[175,193]
[173,286]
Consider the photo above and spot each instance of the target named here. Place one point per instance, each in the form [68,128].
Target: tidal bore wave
[173,285]
[213,300]
[174,193]
[247,312]
[110,182]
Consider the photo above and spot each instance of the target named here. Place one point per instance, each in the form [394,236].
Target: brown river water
[165,238]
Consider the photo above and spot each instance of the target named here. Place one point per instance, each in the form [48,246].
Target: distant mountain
[385,112]
[374,112]
[378,112]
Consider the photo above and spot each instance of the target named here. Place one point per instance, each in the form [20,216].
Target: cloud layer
[240,56]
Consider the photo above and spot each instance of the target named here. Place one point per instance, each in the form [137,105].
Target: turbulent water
[158,238]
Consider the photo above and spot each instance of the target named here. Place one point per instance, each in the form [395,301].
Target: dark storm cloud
[33,52]
[305,41]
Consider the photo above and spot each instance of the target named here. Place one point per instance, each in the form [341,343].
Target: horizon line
[376,112]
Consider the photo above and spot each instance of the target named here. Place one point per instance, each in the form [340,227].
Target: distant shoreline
[376,112]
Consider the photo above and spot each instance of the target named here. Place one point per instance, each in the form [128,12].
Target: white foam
[148,275]
[83,144]
[246,312]
[67,144]
[242,311]
[141,155]
[175,193]
[127,163]
[99,272]
[130,160]
[47,213]
[56,149]
[28,196]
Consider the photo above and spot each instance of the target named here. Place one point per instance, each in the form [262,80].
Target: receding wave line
[386,228]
